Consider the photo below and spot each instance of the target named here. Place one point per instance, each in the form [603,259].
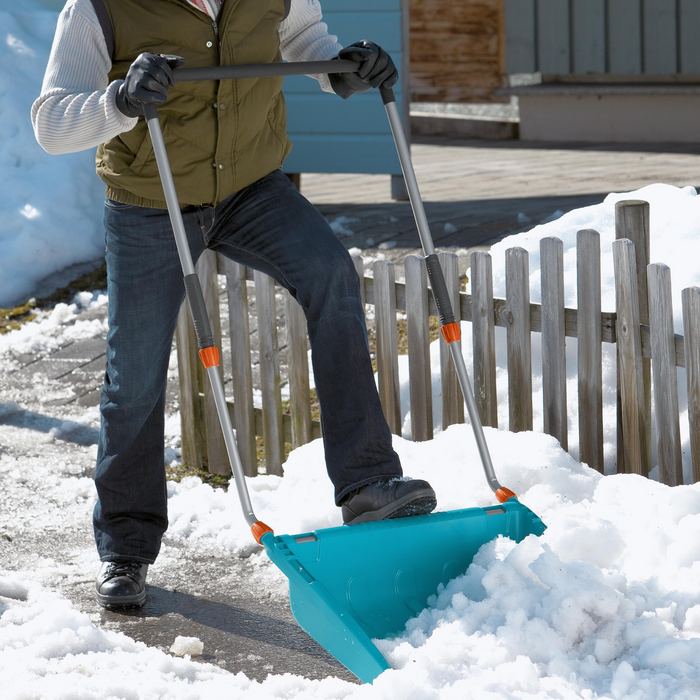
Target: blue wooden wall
[332,135]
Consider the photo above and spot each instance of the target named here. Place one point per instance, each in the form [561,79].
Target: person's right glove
[148,81]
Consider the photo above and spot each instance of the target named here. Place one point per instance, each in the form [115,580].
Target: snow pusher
[351,584]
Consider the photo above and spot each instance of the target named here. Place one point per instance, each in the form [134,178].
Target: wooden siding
[457,50]
[602,37]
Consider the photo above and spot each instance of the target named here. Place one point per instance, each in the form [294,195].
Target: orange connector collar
[450,332]
[209,357]
[259,529]
[503,494]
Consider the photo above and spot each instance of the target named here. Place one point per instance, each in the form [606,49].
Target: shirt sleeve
[304,37]
[77,109]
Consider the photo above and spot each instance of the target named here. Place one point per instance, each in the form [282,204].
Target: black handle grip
[265,70]
[439,287]
[205,337]
[150,111]
[387,95]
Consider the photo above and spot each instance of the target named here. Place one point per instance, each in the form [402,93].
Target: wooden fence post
[418,331]
[217,456]
[590,350]
[387,342]
[632,222]
[691,334]
[239,329]
[663,364]
[273,431]
[298,358]
[484,338]
[629,346]
[517,314]
[452,399]
[553,340]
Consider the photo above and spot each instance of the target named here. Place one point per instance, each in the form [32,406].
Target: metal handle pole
[449,325]
[208,351]
[265,70]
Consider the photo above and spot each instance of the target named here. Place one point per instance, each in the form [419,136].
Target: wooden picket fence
[642,328]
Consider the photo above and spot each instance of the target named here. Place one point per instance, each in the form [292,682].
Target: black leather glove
[377,69]
[148,80]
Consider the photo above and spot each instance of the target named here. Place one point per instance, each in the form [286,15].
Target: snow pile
[606,604]
[51,206]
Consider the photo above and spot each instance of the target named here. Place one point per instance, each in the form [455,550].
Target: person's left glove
[148,81]
[376,69]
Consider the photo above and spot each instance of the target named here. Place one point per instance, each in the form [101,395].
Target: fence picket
[273,433]
[632,222]
[418,332]
[484,338]
[387,342]
[629,347]
[239,330]
[691,334]
[298,358]
[517,313]
[590,350]
[553,340]
[663,356]
[452,399]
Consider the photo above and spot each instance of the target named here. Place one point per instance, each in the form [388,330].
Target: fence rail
[635,341]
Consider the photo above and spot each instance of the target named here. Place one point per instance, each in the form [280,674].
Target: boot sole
[125,601]
[418,503]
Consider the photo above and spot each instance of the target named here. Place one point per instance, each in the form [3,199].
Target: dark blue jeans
[267,226]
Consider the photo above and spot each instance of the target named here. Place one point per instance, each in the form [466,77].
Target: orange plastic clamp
[209,357]
[450,332]
[503,494]
[259,529]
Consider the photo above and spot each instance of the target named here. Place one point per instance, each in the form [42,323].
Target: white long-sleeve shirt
[77,110]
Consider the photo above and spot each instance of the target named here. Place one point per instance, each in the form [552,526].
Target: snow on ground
[51,206]
[606,604]
[52,329]
[675,241]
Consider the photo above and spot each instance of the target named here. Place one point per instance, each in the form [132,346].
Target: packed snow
[51,205]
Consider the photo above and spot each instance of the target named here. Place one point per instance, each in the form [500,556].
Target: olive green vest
[220,136]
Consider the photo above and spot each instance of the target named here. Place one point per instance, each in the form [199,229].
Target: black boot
[386,499]
[121,584]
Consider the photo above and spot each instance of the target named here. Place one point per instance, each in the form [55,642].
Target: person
[227,142]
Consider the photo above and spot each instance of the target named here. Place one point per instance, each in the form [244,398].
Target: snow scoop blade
[349,585]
